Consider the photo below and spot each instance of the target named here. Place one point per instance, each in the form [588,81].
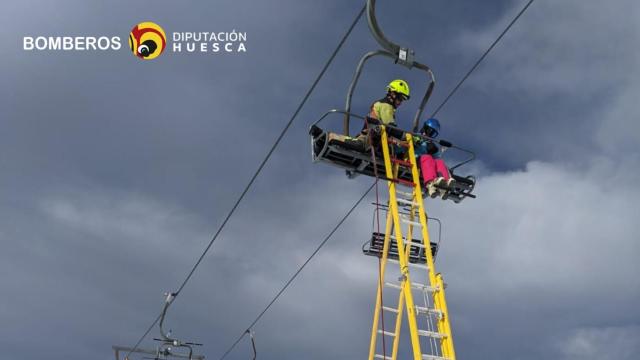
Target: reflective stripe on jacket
[384,112]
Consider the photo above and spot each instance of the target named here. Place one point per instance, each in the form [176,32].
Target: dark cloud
[115,173]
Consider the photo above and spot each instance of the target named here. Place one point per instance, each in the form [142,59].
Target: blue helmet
[431,127]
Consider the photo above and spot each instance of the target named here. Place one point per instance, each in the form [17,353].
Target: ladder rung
[425,310]
[378,356]
[407,195]
[404,240]
[388,333]
[404,182]
[392,237]
[390,309]
[416,286]
[418,266]
[399,142]
[417,244]
[432,334]
[423,287]
[392,285]
[433,357]
[407,221]
[407,202]
[402,162]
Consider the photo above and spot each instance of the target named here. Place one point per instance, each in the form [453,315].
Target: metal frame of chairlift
[167,343]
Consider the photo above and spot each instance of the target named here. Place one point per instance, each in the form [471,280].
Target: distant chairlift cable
[275,298]
[258,171]
[473,68]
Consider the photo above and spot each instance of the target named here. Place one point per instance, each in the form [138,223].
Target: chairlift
[355,157]
[167,349]
[417,254]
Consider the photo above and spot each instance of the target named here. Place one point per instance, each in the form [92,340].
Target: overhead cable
[484,55]
[260,167]
[473,68]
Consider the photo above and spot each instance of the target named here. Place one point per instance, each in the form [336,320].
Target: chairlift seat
[417,254]
[351,154]
[355,157]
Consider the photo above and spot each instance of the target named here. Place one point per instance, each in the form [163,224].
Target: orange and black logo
[147,40]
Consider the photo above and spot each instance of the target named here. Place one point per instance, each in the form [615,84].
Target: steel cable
[260,167]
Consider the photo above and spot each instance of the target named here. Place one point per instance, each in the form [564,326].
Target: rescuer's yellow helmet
[399,86]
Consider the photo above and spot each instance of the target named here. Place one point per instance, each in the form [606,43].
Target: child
[435,173]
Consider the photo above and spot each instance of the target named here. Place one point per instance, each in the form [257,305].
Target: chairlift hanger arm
[356,77]
[404,56]
[168,301]
[427,95]
[377,33]
[253,343]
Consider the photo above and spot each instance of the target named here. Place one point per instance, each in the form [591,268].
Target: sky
[116,172]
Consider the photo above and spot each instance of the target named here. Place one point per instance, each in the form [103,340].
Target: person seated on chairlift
[435,173]
[383,111]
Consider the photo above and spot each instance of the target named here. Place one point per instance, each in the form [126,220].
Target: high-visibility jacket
[384,111]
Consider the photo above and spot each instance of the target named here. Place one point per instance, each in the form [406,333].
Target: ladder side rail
[383,266]
[404,267]
[434,344]
[444,325]
[426,241]
[401,295]
[401,300]
[435,280]
[398,328]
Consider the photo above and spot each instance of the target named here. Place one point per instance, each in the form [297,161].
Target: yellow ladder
[435,331]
